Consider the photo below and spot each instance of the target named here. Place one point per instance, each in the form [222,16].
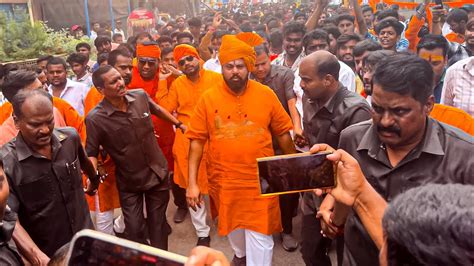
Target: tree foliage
[20,40]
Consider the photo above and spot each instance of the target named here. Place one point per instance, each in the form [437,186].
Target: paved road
[183,239]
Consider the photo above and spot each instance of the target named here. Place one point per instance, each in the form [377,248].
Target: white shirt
[213,64]
[458,86]
[280,61]
[74,93]
[2,99]
[86,79]
[346,77]
[121,32]
[93,35]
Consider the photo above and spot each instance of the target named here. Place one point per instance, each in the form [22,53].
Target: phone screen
[92,251]
[291,174]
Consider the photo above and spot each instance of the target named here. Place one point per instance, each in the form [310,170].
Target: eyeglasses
[150,61]
[183,61]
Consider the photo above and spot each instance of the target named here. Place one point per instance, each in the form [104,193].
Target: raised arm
[206,39]
[438,19]
[312,21]
[359,18]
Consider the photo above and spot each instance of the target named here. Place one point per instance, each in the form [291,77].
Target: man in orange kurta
[237,118]
[182,97]
[146,76]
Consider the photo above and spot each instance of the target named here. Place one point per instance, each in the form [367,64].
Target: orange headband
[152,51]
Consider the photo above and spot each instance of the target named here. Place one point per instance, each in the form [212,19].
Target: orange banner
[409,5]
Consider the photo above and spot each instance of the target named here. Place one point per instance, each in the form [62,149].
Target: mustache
[390,129]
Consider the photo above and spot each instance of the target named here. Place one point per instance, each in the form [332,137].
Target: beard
[350,63]
[127,79]
[191,72]
[236,85]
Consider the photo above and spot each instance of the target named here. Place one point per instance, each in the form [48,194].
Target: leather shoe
[180,215]
[236,261]
[288,242]
[204,241]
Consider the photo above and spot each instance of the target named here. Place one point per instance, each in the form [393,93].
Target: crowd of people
[189,107]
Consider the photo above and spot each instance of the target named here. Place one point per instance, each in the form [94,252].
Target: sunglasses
[183,61]
[150,61]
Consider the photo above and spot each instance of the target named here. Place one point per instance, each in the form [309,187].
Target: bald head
[32,102]
[319,74]
[324,63]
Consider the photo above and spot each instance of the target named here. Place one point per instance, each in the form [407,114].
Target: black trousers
[156,202]
[314,246]
[179,195]
[288,208]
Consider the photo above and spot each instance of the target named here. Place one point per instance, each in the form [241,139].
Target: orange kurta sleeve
[6,111]
[454,117]
[198,124]
[168,97]
[411,33]
[92,99]
[71,116]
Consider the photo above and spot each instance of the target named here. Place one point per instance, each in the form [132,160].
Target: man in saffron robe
[182,97]
[237,118]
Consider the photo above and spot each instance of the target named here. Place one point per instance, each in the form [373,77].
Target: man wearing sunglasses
[182,97]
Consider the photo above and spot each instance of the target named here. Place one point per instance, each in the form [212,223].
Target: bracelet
[436,21]
[178,124]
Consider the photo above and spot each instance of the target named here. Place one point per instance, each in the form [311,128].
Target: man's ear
[16,121]
[101,90]
[429,104]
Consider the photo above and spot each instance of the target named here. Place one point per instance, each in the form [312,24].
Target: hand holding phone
[295,173]
[349,177]
[90,247]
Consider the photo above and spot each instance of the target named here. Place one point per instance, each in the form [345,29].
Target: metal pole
[86,12]
[30,12]
[112,17]
[129,7]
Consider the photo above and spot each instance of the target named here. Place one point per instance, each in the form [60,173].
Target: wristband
[178,124]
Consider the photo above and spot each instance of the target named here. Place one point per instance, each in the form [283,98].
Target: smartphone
[90,247]
[295,173]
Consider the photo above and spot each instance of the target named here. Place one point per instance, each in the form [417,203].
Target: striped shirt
[458,88]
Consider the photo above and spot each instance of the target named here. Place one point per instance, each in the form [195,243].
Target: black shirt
[280,80]
[323,124]
[8,252]
[48,194]
[443,156]
[129,138]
